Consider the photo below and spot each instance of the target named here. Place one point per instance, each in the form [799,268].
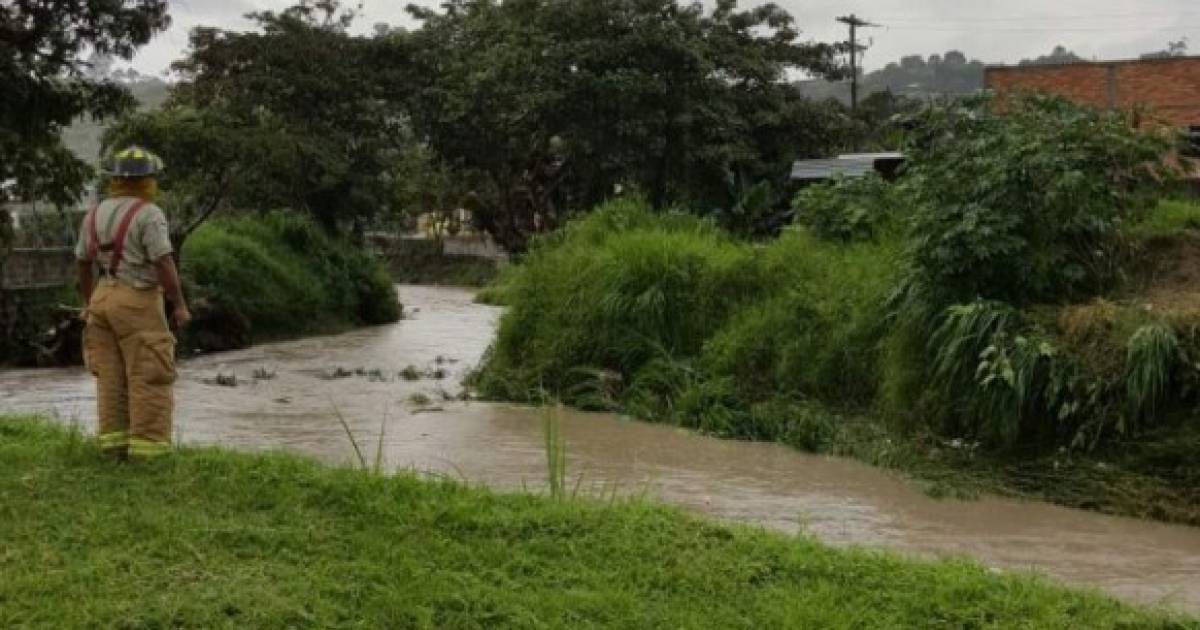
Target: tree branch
[207,211]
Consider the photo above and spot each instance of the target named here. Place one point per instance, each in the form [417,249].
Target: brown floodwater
[358,375]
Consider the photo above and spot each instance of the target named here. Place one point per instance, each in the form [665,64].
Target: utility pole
[853,21]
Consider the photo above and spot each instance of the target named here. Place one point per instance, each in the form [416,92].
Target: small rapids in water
[405,378]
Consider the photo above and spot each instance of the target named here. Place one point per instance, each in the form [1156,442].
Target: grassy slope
[214,539]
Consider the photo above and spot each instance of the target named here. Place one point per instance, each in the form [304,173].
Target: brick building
[1168,87]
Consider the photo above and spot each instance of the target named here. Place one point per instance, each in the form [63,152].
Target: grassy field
[211,539]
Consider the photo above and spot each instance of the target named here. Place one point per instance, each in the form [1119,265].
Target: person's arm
[168,278]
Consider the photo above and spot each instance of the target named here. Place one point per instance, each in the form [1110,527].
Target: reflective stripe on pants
[147,449]
[114,440]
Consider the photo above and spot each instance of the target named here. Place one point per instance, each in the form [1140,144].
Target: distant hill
[914,76]
[939,75]
[83,137]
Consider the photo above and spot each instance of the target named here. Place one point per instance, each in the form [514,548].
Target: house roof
[845,165]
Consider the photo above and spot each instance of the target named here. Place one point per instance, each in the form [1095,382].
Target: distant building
[1168,86]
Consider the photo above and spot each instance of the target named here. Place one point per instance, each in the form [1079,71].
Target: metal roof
[846,165]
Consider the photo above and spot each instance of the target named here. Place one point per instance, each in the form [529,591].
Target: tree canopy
[551,104]
[523,111]
[293,115]
[46,85]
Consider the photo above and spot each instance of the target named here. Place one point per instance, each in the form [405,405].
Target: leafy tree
[551,104]
[306,120]
[211,159]
[47,86]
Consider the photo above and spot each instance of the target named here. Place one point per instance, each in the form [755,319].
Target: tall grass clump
[1150,359]
[1170,218]
[283,275]
[610,293]
[817,332]
[667,318]
[556,452]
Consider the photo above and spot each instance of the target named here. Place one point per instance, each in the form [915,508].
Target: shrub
[817,332]
[1151,358]
[283,276]
[850,209]
[612,292]
[1022,201]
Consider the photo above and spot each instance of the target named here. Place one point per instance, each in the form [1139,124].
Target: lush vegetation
[523,112]
[668,317]
[212,539]
[47,85]
[994,297]
[280,275]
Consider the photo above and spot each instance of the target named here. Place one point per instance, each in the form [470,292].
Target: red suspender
[122,233]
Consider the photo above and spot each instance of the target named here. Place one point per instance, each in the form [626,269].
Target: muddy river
[302,387]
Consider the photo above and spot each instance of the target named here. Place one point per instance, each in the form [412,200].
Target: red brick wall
[1170,88]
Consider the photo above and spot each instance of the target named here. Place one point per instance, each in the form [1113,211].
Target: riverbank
[807,341]
[1154,476]
[216,539]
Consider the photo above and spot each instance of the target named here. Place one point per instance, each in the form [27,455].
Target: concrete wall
[1169,87]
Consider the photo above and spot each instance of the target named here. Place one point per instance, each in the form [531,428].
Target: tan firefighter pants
[130,350]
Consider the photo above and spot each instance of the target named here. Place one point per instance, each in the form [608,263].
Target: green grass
[1168,219]
[614,293]
[211,539]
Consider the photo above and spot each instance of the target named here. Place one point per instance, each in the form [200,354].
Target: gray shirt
[148,240]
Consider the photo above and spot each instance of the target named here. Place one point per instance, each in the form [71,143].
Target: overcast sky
[990,30]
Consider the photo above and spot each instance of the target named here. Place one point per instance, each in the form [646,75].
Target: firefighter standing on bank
[125,269]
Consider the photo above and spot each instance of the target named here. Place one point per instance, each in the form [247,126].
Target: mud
[288,396]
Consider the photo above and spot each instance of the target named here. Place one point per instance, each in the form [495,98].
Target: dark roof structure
[847,165]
